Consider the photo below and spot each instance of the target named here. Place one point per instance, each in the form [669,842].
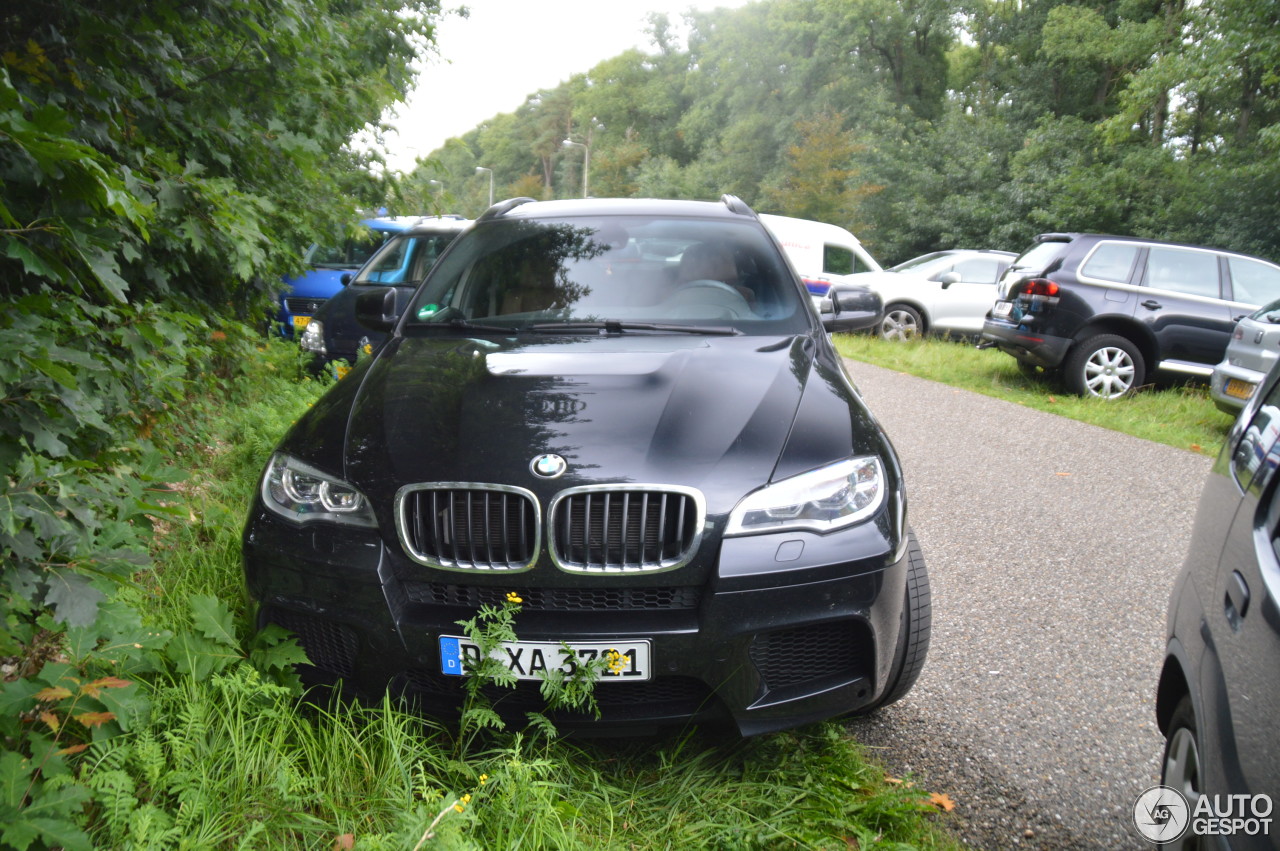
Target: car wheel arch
[921,315]
[1136,333]
[1171,687]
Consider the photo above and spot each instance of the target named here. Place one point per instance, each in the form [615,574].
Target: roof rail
[737,205]
[502,208]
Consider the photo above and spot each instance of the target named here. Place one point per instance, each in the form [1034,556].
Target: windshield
[404,259]
[347,254]
[925,265]
[570,273]
[1265,312]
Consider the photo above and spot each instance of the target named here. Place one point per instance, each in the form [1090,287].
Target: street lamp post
[586,161]
[481,168]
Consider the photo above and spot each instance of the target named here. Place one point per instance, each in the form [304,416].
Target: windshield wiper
[468,325]
[613,326]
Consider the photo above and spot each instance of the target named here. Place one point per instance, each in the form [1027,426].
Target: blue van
[328,262]
[333,336]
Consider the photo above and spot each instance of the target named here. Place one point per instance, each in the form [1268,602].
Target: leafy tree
[818,181]
[159,163]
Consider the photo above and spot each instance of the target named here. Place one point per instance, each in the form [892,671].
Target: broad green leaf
[58,373]
[213,618]
[74,598]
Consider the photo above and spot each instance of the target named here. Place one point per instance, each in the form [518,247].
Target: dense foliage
[160,162]
[925,124]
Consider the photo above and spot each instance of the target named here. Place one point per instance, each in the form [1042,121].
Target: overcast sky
[508,49]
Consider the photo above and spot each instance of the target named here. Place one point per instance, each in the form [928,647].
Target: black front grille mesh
[623,530]
[329,646]
[792,656]
[471,528]
[661,695]
[558,599]
[304,306]
[604,529]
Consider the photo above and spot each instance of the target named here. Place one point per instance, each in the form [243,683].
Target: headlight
[823,500]
[301,493]
[313,337]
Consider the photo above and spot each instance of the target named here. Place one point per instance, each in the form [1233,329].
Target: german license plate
[528,659]
[1002,308]
[1237,388]
[300,322]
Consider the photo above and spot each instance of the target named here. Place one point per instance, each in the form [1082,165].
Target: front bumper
[792,628]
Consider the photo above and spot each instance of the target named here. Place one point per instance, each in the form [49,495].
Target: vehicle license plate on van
[1237,388]
[1002,308]
[527,659]
[300,322]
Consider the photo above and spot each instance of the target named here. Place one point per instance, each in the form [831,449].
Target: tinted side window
[837,260]
[1182,270]
[1111,261]
[1253,282]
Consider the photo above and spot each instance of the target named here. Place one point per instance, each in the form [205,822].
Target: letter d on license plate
[628,660]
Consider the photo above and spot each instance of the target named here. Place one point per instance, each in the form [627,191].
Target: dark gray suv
[1108,312]
[1220,684]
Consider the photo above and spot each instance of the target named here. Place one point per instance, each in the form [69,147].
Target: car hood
[317,283]
[711,413]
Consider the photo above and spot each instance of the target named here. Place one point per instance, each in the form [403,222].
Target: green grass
[1183,416]
[237,760]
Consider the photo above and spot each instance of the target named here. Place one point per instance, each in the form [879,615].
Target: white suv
[941,292]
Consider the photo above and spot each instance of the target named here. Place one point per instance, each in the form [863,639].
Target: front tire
[901,322]
[1106,366]
[1181,768]
[914,630]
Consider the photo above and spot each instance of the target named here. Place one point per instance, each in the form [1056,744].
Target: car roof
[951,252]
[524,208]
[1073,236]
[394,224]
[436,224]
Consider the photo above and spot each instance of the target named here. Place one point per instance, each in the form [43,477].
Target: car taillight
[1040,286]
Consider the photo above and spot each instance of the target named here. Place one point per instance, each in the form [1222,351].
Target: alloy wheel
[900,324]
[1109,372]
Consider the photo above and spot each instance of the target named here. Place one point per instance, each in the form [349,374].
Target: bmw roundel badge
[548,466]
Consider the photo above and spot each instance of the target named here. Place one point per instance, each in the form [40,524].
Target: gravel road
[1052,547]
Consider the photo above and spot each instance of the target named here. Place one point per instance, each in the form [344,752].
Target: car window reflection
[620,268]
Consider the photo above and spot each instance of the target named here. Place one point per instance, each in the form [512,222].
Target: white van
[822,254]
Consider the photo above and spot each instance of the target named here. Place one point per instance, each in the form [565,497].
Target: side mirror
[856,307]
[345,279]
[949,278]
[379,309]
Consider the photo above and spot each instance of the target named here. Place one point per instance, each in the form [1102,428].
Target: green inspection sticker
[428,310]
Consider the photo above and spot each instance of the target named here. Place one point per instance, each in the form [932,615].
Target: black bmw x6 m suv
[655,460]
[1108,312]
